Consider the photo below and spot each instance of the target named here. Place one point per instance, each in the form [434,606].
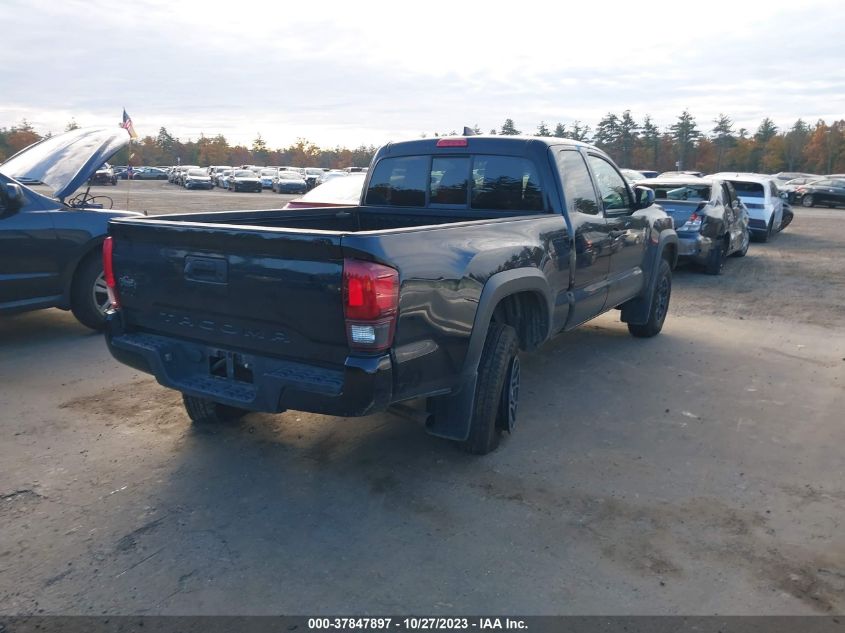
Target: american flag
[127,125]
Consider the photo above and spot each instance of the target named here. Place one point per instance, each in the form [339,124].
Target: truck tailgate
[272,292]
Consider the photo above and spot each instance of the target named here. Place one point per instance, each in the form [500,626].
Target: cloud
[352,74]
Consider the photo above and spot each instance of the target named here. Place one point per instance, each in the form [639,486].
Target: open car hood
[66,161]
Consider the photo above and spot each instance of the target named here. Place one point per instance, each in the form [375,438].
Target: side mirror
[644,197]
[12,199]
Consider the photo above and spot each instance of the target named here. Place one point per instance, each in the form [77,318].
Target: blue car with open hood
[52,251]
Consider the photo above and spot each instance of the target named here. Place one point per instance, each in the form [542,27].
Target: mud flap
[451,415]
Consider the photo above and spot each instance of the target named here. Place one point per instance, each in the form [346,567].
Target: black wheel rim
[662,299]
[512,391]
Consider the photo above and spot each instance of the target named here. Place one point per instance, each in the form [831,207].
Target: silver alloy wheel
[100,294]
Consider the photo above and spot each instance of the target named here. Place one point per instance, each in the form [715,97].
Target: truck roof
[488,143]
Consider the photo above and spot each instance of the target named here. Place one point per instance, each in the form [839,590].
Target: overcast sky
[356,72]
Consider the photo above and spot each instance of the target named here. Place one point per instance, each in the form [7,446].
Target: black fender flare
[452,413]
[637,309]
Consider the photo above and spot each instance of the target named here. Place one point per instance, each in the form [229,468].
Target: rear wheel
[808,200]
[765,237]
[744,250]
[89,297]
[716,260]
[496,392]
[659,304]
[788,216]
[205,412]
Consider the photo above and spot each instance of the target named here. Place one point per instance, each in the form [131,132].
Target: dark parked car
[791,186]
[148,173]
[289,182]
[463,252]
[244,180]
[827,191]
[783,177]
[103,176]
[51,254]
[710,219]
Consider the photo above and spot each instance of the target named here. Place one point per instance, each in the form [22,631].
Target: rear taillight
[693,223]
[370,304]
[108,272]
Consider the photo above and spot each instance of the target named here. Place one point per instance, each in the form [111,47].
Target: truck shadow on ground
[306,502]
[41,327]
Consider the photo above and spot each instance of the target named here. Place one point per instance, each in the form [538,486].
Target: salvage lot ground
[698,472]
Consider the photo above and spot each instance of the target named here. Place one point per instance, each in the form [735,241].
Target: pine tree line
[818,149]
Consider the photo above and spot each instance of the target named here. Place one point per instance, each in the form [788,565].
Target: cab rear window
[481,182]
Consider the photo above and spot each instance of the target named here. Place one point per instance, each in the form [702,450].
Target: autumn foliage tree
[818,148]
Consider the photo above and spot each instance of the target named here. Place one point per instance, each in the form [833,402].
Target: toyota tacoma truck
[463,253]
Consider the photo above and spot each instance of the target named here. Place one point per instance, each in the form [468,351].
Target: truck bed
[336,219]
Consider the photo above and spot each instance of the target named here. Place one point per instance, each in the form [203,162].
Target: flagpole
[128,170]
[130,129]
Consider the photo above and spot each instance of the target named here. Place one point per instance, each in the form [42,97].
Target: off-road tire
[659,304]
[207,412]
[500,348]
[82,301]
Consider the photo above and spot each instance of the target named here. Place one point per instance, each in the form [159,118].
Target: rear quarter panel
[443,271]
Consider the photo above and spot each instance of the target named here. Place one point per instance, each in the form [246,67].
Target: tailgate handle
[209,270]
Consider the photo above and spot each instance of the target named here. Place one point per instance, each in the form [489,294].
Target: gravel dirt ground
[700,472]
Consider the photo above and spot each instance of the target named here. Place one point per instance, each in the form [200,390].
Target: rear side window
[400,182]
[505,183]
[690,192]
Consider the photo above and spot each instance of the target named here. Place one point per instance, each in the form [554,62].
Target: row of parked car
[717,216]
[284,179]
[809,190]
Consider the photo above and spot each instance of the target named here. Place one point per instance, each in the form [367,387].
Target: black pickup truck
[463,252]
